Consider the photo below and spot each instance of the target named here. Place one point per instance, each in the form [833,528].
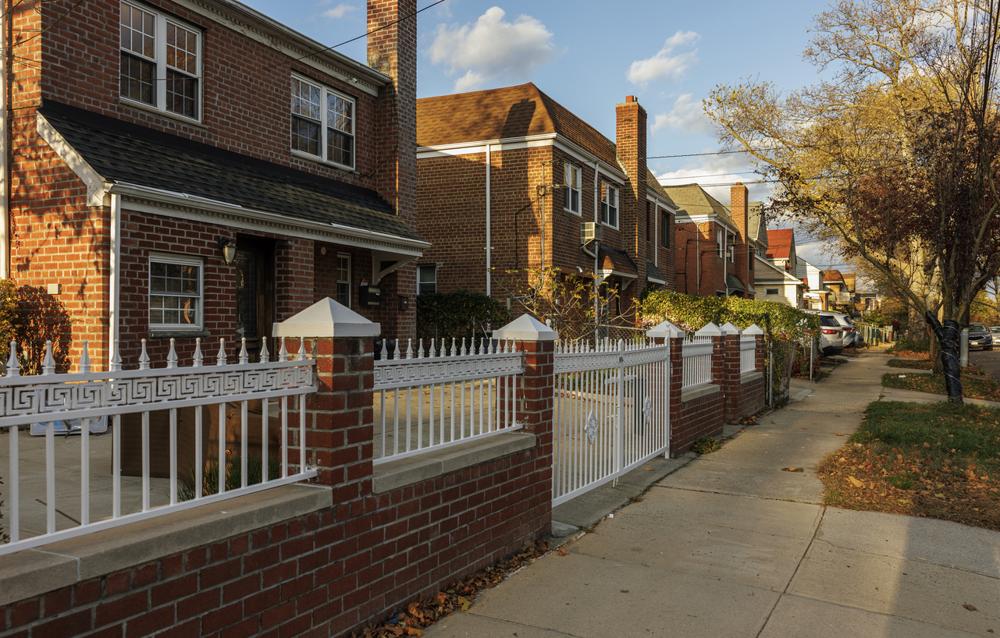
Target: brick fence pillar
[731,384]
[668,333]
[339,415]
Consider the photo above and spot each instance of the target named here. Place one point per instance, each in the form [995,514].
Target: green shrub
[458,315]
[30,316]
[691,312]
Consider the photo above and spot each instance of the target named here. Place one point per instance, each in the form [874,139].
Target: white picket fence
[39,509]
[611,412]
[443,394]
[697,358]
[748,353]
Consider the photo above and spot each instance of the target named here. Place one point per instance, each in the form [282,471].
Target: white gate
[611,405]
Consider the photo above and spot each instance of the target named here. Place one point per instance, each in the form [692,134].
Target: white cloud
[668,62]
[339,11]
[720,169]
[491,47]
[686,114]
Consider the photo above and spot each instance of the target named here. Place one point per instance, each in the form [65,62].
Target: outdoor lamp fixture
[228,248]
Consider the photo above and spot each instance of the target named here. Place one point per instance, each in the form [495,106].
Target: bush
[458,315]
[30,316]
[691,312]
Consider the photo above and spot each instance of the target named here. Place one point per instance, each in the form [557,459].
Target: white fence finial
[143,356]
[116,358]
[282,351]
[265,356]
[49,363]
[302,349]
[220,357]
[85,357]
[172,354]
[244,355]
[198,358]
[13,368]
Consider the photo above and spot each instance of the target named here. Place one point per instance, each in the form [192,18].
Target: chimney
[739,209]
[392,49]
[630,139]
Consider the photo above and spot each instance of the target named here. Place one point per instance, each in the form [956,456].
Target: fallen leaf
[969,606]
[465,603]
[791,468]
[413,631]
[562,551]
[855,482]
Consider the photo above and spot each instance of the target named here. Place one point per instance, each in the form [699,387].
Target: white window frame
[338,280]
[160,51]
[720,245]
[731,246]
[434,268]
[573,179]
[177,260]
[606,205]
[324,128]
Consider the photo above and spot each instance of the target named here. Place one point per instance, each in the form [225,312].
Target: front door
[254,291]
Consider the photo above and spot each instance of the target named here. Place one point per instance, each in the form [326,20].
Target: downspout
[725,258]
[597,252]
[489,238]
[114,279]
[6,68]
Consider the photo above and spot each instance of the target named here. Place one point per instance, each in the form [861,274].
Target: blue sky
[669,53]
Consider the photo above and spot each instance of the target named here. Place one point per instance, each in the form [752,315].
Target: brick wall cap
[729,329]
[327,318]
[526,328]
[753,329]
[709,330]
[664,330]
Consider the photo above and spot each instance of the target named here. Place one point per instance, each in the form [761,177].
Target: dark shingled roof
[127,153]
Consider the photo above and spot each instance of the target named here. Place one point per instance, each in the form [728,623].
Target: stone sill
[42,569]
[747,377]
[699,391]
[413,469]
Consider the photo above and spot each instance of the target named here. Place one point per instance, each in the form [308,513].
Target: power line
[745,150]
[55,22]
[363,35]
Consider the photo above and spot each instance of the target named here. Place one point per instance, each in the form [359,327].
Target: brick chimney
[393,51]
[630,139]
[739,209]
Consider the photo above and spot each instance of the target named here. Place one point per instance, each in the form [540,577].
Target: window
[344,279]
[772,291]
[157,49]
[609,206]
[665,227]
[731,247]
[573,177]
[719,242]
[322,123]
[175,293]
[427,280]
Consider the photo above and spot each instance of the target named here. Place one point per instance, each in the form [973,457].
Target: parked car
[995,332]
[852,338]
[831,337]
[979,337]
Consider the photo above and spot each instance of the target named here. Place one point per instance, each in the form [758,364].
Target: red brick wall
[692,240]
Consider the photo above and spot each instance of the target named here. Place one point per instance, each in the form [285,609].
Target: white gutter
[489,226]
[114,279]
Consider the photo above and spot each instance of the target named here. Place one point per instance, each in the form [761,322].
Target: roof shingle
[779,243]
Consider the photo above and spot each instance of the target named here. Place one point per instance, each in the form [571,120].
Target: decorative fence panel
[748,353]
[697,358]
[443,394]
[128,476]
[611,412]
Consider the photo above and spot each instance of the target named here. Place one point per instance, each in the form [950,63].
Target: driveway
[732,545]
[988,360]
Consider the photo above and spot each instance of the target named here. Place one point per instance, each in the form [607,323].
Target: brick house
[776,278]
[188,169]
[509,179]
[714,251]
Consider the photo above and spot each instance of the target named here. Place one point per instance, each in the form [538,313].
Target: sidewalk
[731,545]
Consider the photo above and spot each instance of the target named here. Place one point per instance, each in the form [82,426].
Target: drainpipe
[6,68]
[489,238]
[725,258]
[114,278]
[597,253]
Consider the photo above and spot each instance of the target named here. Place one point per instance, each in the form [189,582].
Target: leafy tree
[895,157]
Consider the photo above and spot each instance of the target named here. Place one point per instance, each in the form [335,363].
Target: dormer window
[322,123]
[160,62]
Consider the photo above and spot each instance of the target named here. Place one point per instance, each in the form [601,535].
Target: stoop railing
[443,394]
[163,451]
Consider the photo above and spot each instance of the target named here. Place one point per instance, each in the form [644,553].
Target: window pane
[138,79]
[305,100]
[340,113]
[182,94]
[182,49]
[306,135]
[340,147]
[138,30]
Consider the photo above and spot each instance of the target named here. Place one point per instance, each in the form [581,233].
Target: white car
[831,337]
[851,336]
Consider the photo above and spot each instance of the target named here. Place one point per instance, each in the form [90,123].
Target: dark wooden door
[254,290]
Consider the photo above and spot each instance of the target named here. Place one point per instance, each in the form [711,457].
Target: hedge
[30,316]
[691,312]
[458,315]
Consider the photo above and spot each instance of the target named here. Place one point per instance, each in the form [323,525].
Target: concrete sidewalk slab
[912,396]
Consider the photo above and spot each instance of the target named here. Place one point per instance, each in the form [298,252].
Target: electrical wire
[55,23]
[707,154]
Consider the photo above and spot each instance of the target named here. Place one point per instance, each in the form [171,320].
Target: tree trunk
[934,351]
[948,336]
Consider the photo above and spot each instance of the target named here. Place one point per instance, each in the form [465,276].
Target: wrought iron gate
[611,412]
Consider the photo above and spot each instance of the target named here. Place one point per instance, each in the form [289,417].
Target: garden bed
[935,460]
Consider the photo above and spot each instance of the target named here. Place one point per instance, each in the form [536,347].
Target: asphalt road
[989,360]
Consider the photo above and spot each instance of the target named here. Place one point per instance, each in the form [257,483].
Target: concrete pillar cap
[729,329]
[753,329]
[327,318]
[664,330]
[709,330]
[525,328]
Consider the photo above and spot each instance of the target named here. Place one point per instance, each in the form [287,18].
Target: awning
[617,262]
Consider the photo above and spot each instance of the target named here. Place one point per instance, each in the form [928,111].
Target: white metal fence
[443,394]
[93,481]
[748,353]
[697,359]
[611,412]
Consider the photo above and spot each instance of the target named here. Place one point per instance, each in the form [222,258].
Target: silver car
[851,335]
[831,333]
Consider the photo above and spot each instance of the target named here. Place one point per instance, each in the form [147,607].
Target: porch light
[228,247]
